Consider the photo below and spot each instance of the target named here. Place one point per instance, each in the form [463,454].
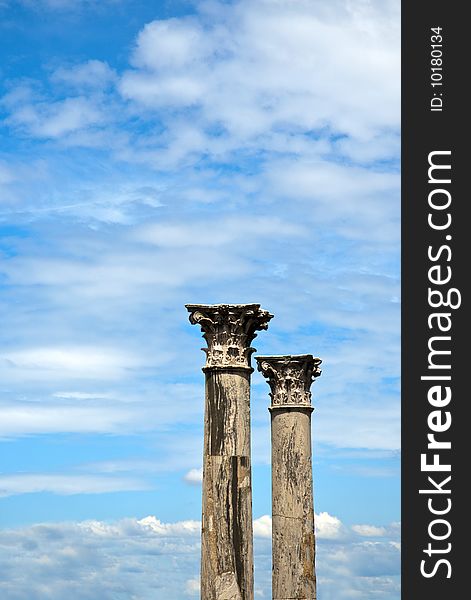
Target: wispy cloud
[63,5]
[89,75]
[13,485]
[369,530]
[57,119]
[31,418]
[79,362]
[253,70]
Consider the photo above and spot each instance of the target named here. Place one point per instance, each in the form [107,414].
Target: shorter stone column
[290,379]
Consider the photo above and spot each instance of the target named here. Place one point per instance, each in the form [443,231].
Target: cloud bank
[145,558]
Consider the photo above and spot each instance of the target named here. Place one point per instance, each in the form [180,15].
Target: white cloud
[119,273]
[94,559]
[134,557]
[262,527]
[194,476]
[328,527]
[175,91]
[182,527]
[122,291]
[31,418]
[91,74]
[64,5]
[221,232]
[6,174]
[82,395]
[257,73]
[170,44]
[57,119]
[192,587]
[376,431]
[132,291]
[28,483]
[74,362]
[369,530]
[359,203]
[133,406]
[258,67]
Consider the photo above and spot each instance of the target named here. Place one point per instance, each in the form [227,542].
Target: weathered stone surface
[290,378]
[227,551]
[292,501]
[229,330]
[226,538]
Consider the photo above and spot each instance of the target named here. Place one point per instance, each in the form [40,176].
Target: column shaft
[293,535]
[292,505]
[227,550]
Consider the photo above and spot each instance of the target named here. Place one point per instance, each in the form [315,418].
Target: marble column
[226,536]
[290,378]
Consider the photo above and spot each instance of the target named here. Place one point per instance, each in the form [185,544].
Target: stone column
[290,378]
[226,535]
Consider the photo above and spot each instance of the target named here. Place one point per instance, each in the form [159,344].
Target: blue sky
[161,153]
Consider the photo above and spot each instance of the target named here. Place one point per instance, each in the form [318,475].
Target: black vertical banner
[436,252]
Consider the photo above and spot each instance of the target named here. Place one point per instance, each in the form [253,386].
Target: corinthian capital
[289,378]
[229,330]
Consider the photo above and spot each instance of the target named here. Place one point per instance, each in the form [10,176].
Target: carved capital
[289,378]
[229,330]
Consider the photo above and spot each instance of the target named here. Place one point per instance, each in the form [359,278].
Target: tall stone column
[226,535]
[293,540]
